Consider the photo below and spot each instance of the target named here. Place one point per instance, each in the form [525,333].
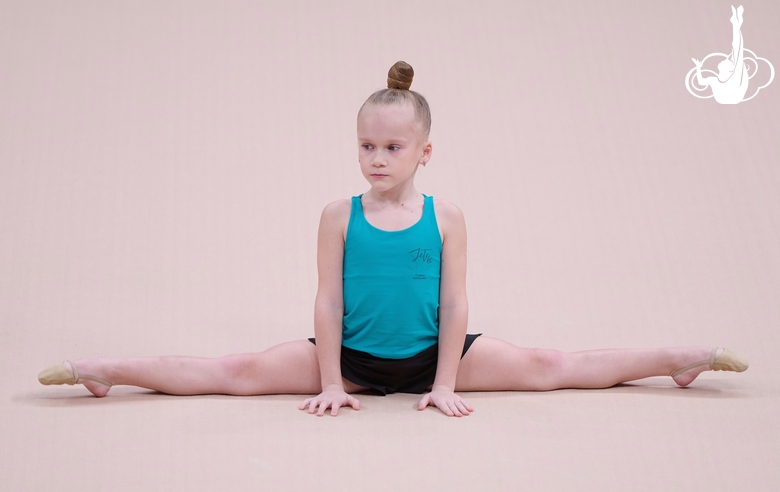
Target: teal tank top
[391,285]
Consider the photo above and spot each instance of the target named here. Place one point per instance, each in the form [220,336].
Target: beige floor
[162,170]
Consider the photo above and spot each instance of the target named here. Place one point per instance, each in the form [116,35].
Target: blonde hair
[399,79]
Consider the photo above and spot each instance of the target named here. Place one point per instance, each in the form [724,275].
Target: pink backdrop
[163,166]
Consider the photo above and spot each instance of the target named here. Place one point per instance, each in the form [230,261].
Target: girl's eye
[394,147]
[367,146]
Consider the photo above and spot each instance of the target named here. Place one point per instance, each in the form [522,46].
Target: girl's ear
[426,153]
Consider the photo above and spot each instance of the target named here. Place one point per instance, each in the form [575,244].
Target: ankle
[685,356]
[96,367]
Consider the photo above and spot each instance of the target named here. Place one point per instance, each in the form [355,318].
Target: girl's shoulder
[447,211]
[451,222]
[338,208]
[335,217]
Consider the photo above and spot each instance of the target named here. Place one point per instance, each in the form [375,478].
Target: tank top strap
[357,220]
[357,207]
[429,215]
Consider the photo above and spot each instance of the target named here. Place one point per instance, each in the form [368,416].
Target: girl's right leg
[495,365]
[288,368]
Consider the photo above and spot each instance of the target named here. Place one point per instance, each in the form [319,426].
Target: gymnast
[730,85]
[391,311]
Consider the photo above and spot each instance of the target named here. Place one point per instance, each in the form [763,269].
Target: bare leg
[736,39]
[495,365]
[288,368]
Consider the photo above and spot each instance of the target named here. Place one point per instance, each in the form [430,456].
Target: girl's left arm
[453,312]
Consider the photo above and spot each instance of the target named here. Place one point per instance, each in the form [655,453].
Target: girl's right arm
[329,310]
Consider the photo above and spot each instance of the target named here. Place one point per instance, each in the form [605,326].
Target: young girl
[391,309]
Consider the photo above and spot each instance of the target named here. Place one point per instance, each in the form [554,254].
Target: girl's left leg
[287,368]
[496,365]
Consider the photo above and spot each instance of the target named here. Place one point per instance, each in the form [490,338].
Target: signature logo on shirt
[421,261]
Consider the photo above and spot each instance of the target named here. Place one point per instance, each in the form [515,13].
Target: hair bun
[400,76]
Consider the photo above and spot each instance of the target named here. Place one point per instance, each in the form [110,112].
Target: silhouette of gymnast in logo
[734,71]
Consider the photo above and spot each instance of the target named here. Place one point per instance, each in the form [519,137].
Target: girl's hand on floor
[447,401]
[331,397]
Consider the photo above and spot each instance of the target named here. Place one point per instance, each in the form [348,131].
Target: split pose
[730,85]
[391,310]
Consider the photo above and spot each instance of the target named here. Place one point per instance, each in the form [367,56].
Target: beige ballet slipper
[727,361]
[59,374]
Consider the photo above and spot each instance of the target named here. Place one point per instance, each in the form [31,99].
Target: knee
[549,360]
[237,368]
[549,365]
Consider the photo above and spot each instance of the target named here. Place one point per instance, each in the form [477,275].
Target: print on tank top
[421,262]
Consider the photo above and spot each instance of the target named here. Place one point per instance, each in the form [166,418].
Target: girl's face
[391,145]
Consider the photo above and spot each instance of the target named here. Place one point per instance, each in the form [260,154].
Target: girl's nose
[379,161]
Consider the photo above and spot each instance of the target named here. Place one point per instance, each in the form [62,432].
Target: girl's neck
[393,196]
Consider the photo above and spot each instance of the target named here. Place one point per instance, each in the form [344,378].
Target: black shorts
[414,374]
